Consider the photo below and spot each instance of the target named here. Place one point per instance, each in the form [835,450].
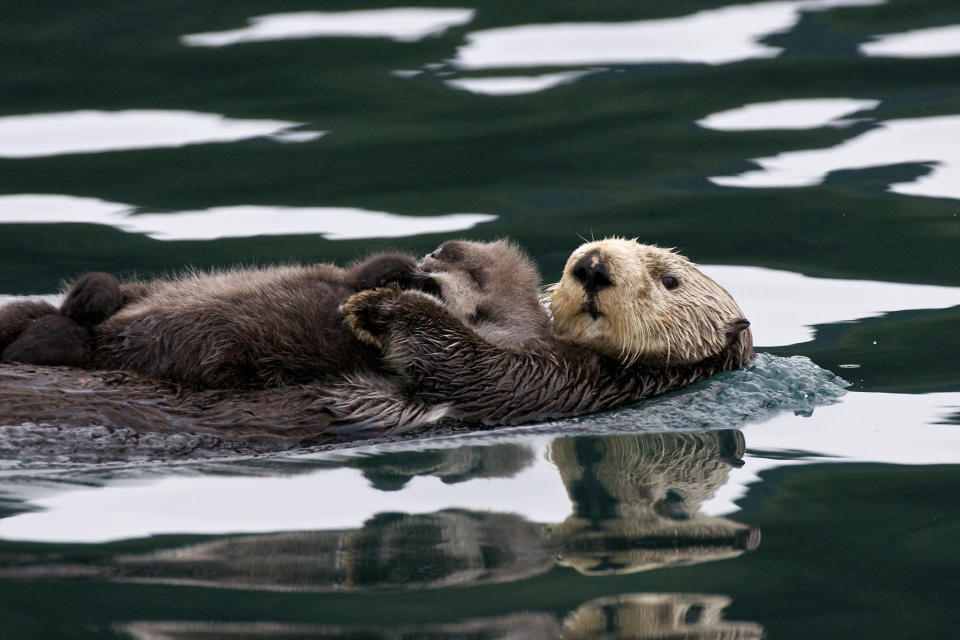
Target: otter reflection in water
[635,506]
[636,501]
[634,616]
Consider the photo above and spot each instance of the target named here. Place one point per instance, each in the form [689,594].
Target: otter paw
[368,314]
[384,270]
[92,299]
[15,317]
[51,340]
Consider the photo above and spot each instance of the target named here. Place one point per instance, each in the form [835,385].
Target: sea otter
[234,328]
[629,321]
[492,287]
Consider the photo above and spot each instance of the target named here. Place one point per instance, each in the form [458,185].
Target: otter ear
[735,326]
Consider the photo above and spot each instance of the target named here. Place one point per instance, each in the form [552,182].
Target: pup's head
[492,286]
[640,303]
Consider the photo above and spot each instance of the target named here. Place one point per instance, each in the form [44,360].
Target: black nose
[592,273]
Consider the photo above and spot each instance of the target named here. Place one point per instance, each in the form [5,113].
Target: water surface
[805,152]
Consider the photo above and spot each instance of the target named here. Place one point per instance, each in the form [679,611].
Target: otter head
[493,286]
[640,303]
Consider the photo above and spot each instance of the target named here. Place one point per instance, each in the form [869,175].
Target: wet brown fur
[270,326]
[16,317]
[246,327]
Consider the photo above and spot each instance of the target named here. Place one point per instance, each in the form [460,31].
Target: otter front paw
[368,314]
[372,315]
[384,270]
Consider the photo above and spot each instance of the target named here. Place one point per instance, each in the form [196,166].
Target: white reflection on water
[216,504]
[714,36]
[515,85]
[807,113]
[783,306]
[935,42]
[930,141]
[401,24]
[333,223]
[862,427]
[50,134]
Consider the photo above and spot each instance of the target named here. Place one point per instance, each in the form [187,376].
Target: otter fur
[490,289]
[629,321]
[275,326]
[234,328]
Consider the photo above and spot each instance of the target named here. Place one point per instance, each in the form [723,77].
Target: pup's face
[494,279]
[640,303]
[459,269]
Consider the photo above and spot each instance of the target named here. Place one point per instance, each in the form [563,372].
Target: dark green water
[842,520]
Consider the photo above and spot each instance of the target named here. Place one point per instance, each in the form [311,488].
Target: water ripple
[401,24]
[333,223]
[51,134]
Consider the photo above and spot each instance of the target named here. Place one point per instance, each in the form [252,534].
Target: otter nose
[592,273]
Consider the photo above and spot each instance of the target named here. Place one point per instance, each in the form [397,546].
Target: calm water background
[800,151]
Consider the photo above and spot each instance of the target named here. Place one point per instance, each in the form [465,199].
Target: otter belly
[266,327]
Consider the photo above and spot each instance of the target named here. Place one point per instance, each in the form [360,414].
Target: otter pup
[233,328]
[490,290]
[629,321]
[492,287]
[280,325]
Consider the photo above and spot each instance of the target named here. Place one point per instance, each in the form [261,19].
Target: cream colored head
[640,303]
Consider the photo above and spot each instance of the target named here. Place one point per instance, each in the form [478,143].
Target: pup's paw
[51,340]
[16,317]
[92,299]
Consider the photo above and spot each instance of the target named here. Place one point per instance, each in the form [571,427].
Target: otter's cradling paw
[384,270]
[370,314]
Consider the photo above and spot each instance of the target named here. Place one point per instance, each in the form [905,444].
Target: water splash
[769,386]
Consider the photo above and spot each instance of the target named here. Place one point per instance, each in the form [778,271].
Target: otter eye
[447,252]
[670,282]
